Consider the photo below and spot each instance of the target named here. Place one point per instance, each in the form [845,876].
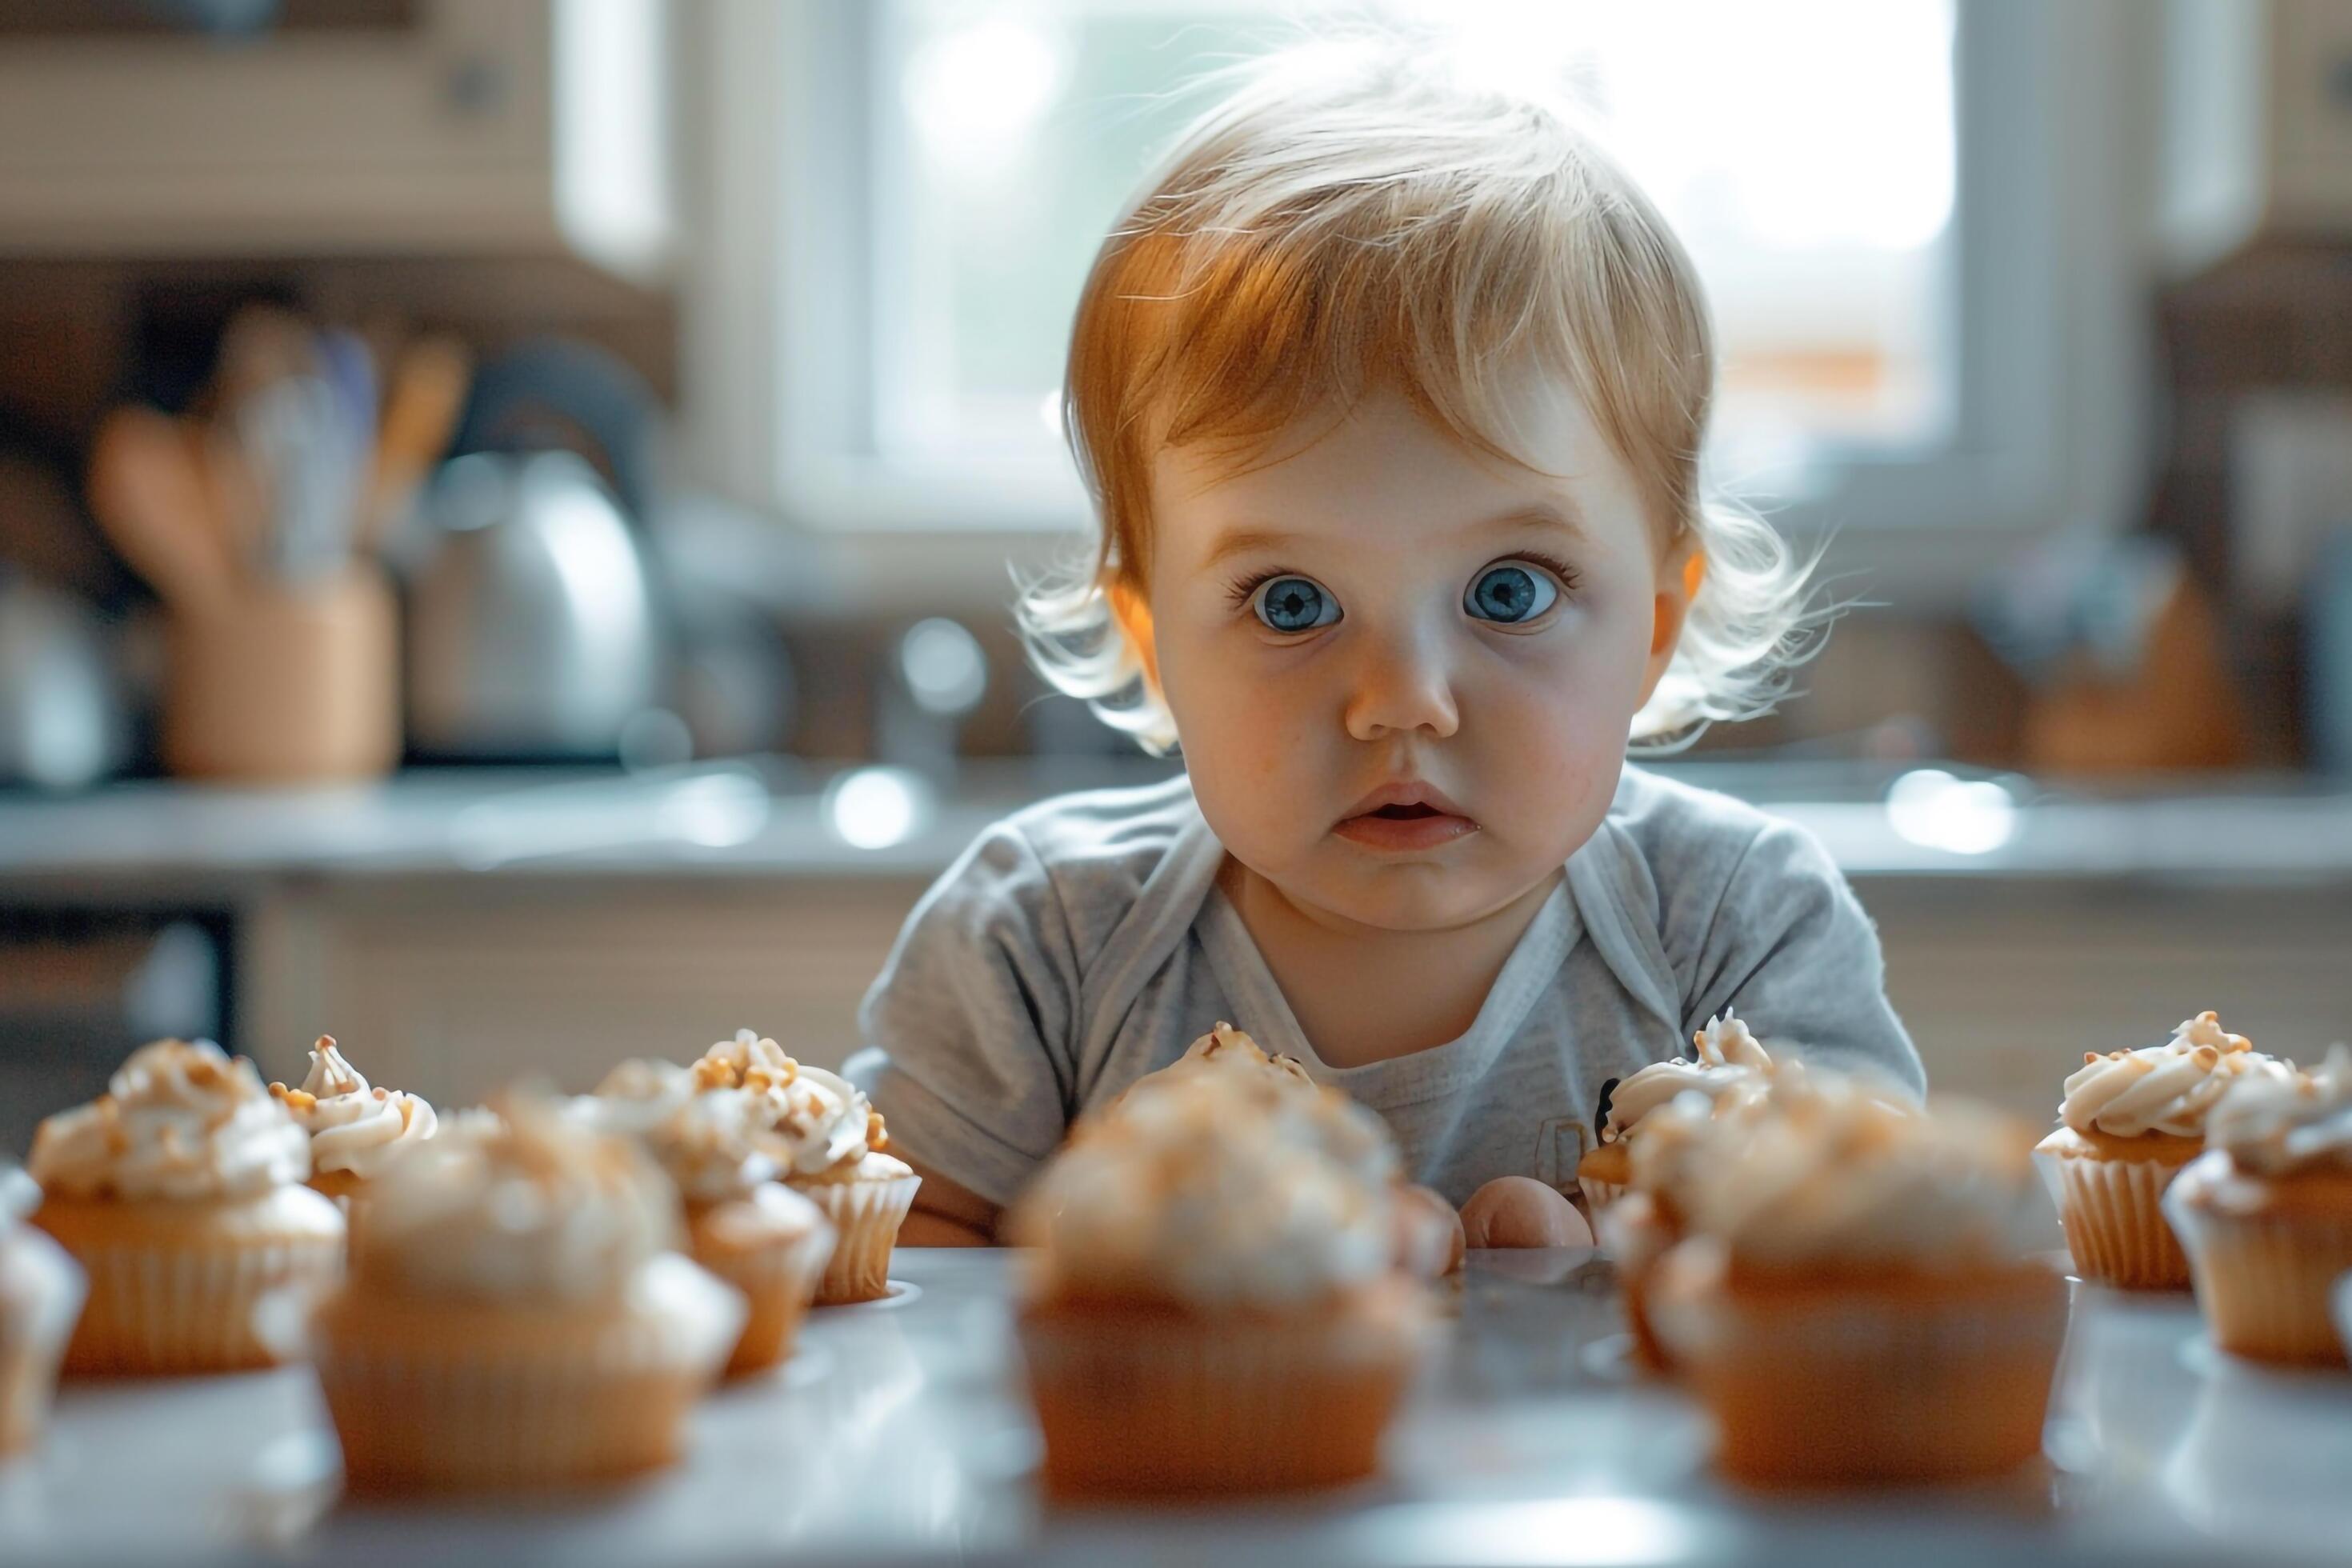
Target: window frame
[2047,424]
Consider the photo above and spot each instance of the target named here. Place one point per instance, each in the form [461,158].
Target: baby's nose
[1400,686]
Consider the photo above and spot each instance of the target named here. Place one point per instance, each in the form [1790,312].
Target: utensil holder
[285,683]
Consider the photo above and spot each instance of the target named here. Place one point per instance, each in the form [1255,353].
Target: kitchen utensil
[532,628]
[421,405]
[152,499]
[298,434]
[62,719]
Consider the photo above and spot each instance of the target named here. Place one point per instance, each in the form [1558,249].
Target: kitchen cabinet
[431,127]
[452,989]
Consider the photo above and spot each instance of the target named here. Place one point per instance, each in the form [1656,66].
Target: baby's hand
[1519,1211]
[1428,1234]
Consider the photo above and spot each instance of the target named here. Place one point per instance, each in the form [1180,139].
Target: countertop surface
[776,819]
[898,1434]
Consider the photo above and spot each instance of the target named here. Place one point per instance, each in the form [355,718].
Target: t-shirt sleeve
[1790,949]
[968,1030]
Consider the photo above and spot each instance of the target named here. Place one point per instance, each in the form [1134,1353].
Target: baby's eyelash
[1551,564]
[1239,591]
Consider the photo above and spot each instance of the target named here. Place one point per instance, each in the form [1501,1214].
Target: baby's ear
[1680,577]
[1134,616]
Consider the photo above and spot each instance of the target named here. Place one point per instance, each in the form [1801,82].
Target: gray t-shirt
[1082,943]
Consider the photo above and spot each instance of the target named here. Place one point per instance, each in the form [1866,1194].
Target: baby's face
[1384,610]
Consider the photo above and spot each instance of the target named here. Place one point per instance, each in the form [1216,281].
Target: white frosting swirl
[352,1127]
[2166,1089]
[1210,1192]
[2273,1125]
[1727,1056]
[1832,1174]
[534,1207]
[178,1120]
[714,1142]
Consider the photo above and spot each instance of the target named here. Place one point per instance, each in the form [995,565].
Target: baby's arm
[967,1036]
[1519,1211]
[1791,948]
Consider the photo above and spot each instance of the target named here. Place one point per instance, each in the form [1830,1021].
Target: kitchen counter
[777,820]
[898,1435]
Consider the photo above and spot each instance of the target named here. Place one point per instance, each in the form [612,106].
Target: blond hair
[1355,215]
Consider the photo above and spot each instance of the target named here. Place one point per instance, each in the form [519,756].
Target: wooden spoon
[148,493]
[426,395]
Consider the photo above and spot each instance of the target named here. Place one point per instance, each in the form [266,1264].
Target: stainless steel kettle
[536,623]
[533,631]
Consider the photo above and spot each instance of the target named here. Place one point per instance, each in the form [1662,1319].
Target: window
[1872,190]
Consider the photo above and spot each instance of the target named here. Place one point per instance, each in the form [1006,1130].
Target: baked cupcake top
[2166,1089]
[353,1126]
[1725,1056]
[822,1124]
[2275,1126]
[179,1120]
[1279,1086]
[1828,1174]
[534,1208]
[1226,1047]
[711,1137]
[1213,1190]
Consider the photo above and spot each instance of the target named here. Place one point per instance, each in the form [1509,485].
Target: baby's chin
[1442,893]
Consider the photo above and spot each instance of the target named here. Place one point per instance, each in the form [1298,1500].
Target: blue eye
[1296,605]
[1509,593]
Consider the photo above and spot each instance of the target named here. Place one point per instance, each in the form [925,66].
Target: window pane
[1803,151]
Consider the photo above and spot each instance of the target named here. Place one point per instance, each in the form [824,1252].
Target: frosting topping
[534,1207]
[1726,1055]
[2168,1088]
[2275,1125]
[1830,1173]
[1217,1189]
[715,1141]
[178,1120]
[352,1127]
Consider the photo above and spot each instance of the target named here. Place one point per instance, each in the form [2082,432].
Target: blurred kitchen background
[506,505]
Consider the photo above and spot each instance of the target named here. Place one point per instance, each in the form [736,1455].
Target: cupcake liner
[471,1396]
[1156,1402]
[2264,1278]
[777,1283]
[2113,1214]
[1634,1237]
[1868,1380]
[866,1216]
[48,1287]
[173,1287]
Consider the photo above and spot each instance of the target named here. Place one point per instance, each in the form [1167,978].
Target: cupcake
[1213,1303]
[181,1192]
[40,1295]
[356,1131]
[741,1224]
[2265,1213]
[1853,1300]
[1429,1235]
[1727,1058]
[2130,1121]
[831,1145]
[514,1317]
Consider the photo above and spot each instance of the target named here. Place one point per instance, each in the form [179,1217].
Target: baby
[1390,393]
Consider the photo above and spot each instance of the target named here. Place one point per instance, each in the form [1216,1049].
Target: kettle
[535,626]
[63,722]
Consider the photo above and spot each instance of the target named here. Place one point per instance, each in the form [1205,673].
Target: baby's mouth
[1404,827]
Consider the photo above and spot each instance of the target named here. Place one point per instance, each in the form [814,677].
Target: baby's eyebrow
[1247,540]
